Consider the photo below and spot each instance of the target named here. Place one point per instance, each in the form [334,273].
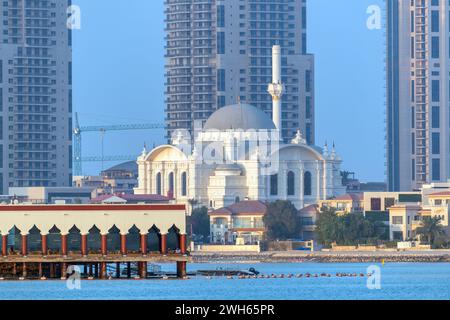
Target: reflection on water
[398,281]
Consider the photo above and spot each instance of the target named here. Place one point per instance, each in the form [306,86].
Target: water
[398,281]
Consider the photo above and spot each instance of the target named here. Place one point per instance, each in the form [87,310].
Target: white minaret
[276,88]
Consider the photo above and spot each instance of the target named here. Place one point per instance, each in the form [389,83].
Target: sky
[118,70]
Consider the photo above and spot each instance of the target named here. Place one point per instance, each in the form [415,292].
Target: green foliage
[199,220]
[349,229]
[282,221]
[431,230]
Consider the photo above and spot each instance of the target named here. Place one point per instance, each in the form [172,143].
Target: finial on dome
[298,139]
[144,150]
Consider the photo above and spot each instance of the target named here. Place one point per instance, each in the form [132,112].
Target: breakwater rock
[324,257]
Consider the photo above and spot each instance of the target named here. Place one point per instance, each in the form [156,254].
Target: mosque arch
[158,183]
[291,183]
[184,184]
[274,185]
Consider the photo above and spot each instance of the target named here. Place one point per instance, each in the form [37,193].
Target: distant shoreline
[433,256]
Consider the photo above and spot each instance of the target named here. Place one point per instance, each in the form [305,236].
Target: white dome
[239,116]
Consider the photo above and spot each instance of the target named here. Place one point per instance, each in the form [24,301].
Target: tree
[327,227]
[430,229]
[193,202]
[199,220]
[282,221]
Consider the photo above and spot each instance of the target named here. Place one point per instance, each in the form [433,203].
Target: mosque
[238,155]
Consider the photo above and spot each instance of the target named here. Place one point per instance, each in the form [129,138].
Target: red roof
[242,208]
[133,197]
[314,208]
[442,193]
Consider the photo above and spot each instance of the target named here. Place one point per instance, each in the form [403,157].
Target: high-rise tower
[220,52]
[35,94]
[418,96]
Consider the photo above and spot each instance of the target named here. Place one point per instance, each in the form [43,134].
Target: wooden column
[123,244]
[182,240]
[24,245]
[4,245]
[163,243]
[144,244]
[14,271]
[24,270]
[44,247]
[181,269]
[84,245]
[104,245]
[40,270]
[64,245]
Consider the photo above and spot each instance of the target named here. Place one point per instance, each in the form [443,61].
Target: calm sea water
[398,281]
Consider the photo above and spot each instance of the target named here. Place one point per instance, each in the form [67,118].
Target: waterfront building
[35,94]
[344,204]
[418,75]
[218,52]
[51,237]
[240,223]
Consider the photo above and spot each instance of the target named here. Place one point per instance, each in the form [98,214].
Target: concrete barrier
[228,248]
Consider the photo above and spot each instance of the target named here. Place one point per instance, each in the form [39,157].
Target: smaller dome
[239,116]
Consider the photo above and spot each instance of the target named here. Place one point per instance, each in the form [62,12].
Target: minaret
[276,88]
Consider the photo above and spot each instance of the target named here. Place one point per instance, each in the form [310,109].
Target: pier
[48,239]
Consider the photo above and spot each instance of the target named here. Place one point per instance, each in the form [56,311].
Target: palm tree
[193,202]
[430,229]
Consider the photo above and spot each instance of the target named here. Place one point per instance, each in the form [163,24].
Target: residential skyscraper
[35,94]
[220,51]
[418,97]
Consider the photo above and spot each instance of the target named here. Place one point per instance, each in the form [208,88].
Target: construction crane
[78,130]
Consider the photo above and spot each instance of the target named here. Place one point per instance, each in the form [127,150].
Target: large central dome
[239,116]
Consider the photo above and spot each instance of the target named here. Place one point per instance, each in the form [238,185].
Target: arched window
[291,183]
[237,200]
[171,182]
[307,184]
[274,185]
[158,183]
[184,184]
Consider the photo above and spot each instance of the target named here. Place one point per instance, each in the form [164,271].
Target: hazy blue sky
[119,77]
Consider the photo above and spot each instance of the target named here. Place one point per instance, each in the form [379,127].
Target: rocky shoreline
[321,257]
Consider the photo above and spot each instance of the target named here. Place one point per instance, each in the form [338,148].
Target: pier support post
[24,245]
[24,270]
[14,270]
[144,244]
[64,245]
[103,270]
[104,245]
[128,270]
[52,270]
[40,270]
[96,270]
[163,242]
[182,239]
[118,270]
[4,245]
[90,273]
[181,269]
[63,271]
[143,269]
[44,247]
[84,248]
[123,245]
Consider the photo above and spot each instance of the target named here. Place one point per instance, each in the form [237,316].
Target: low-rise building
[308,219]
[130,199]
[51,195]
[240,223]
[344,204]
